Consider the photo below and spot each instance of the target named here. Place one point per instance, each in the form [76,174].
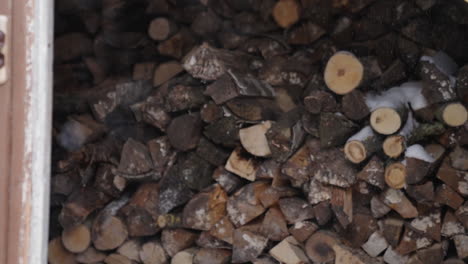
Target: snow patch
[418,152]
[364,133]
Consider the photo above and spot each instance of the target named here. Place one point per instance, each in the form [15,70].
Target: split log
[423,193]
[153,253]
[319,247]
[334,129]
[323,213]
[378,208]
[446,195]
[227,180]
[76,239]
[253,139]
[286,13]
[223,230]
[362,227]
[57,254]
[288,251]
[295,166]
[176,240]
[161,28]
[301,231]
[211,112]
[212,255]
[135,161]
[162,155]
[245,205]
[395,175]
[242,165]
[178,45]
[451,226]
[346,254]
[462,214]
[432,255]
[117,259]
[343,73]
[428,225]
[392,256]
[184,131]
[362,145]
[247,246]
[223,131]
[184,257]
[305,34]
[354,106]
[184,97]
[461,242]
[452,114]
[320,101]
[331,167]
[295,209]
[411,241]
[143,71]
[375,245]
[373,173]
[391,230]
[274,225]
[397,200]
[459,158]
[166,71]
[213,154]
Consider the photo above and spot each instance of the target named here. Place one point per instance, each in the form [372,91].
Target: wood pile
[260,131]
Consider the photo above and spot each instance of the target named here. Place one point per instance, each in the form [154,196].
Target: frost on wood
[331,167]
[247,246]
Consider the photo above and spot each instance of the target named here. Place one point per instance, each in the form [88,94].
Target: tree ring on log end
[395,175]
[393,146]
[355,151]
[385,120]
[343,73]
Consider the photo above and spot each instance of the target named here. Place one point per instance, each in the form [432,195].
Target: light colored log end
[454,115]
[343,73]
[385,120]
[355,151]
[393,146]
[395,175]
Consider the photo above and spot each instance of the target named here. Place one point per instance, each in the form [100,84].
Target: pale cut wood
[90,256]
[253,139]
[130,249]
[153,253]
[395,175]
[375,245]
[397,200]
[343,72]
[393,146]
[76,239]
[385,120]
[184,257]
[288,251]
[161,28]
[118,259]
[241,165]
[108,232]
[355,151]
[453,114]
[166,71]
[57,253]
[286,13]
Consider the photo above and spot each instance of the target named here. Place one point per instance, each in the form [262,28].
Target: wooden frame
[25,132]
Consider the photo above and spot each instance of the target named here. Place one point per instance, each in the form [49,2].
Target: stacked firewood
[260,131]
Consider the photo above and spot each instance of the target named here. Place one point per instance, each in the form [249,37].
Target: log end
[385,120]
[343,73]
[355,151]
[454,114]
[395,175]
[393,146]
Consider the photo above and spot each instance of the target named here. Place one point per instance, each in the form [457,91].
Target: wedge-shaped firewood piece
[456,179]
[459,158]
[378,208]
[446,195]
[247,246]
[58,254]
[301,231]
[428,225]
[373,173]
[208,63]
[318,192]
[359,231]
[391,229]
[245,205]
[391,256]
[174,192]
[153,253]
[185,256]
[242,165]
[421,193]
[109,231]
[212,255]
[90,255]
[135,161]
[432,255]
[76,239]
[223,230]
[223,131]
[289,251]
[162,155]
[461,244]
[438,86]
[233,84]
[319,247]
[335,129]
[295,209]
[253,139]
[451,225]
[107,180]
[331,167]
[272,195]
[166,71]
[342,205]
[296,166]
[323,213]
[205,209]
[319,101]
[274,225]
[462,214]
[141,213]
[227,180]
[175,240]
[183,97]
[117,259]
[354,105]
[412,241]
[178,45]
[343,73]
[345,255]
[375,245]
[397,200]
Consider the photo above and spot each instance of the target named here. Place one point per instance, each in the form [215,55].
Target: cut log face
[240,164]
[301,231]
[131,249]
[288,251]
[212,255]
[355,151]
[385,121]
[153,253]
[176,240]
[286,13]
[247,246]
[57,253]
[453,114]
[375,245]
[319,247]
[245,204]
[90,255]
[253,139]
[161,28]
[343,73]
[76,239]
[373,173]
[395,175]
[108,232]
[393,146]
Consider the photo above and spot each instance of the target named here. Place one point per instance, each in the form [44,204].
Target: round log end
[385,120]
[395,175]
[355,151]
[76,239]
[454,114]
[286,13]
[343,73]
[159,29]
[393,146]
